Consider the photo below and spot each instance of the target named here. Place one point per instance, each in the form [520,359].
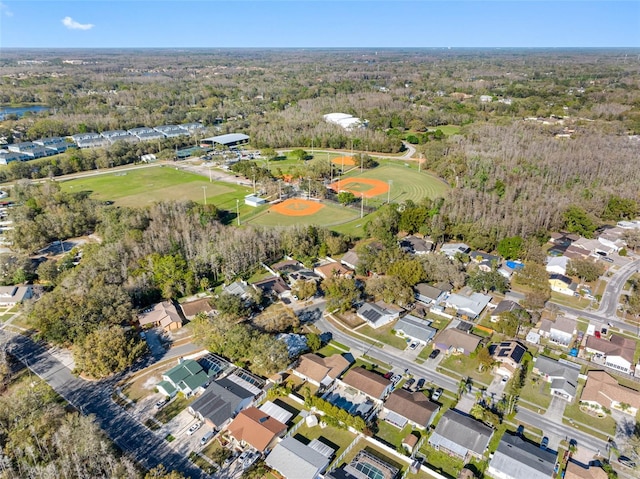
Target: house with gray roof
[376,315]
[415,328]
[295,460]
[504,306]
[563,376]
[416,245]
[238,288]
[517,458]
[350,259]
[220,402]
[460,436]
[470,305]
[452,249]
[427,294]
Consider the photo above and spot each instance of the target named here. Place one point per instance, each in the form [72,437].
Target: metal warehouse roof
[227,139]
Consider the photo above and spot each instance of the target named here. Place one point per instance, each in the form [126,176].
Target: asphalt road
[95,398]
[609,303]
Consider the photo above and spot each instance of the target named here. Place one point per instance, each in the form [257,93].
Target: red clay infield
[344,160]
[297,207]
[361,186]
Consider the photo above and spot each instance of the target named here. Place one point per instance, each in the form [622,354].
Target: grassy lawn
[146,186]
[202,463]
[393,435]
[367,362]
[465,366]
[175,407]
[438,322]
[571,301]
[384,334]
[606,424]
[329,350]
[441,462]
[329,215]
[446,129]
[142,386]
[339,437]
[537,391]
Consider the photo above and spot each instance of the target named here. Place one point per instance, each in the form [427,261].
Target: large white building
[346,121]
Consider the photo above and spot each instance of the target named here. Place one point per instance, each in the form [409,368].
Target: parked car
[625,461]
[436,394]
[504,379]
[162,403]
[413,345]
[544,443]
[396,378]
[207,437]
[388,375]
[420,383]
[434,354]
[250,459]
[408,383]
[607,259]
[194,428]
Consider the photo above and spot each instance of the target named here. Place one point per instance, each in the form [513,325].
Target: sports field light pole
[362,205]
[238,211]
[389,192]
[309,194]
[204,194]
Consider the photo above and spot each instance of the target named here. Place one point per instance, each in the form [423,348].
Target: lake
[20,110]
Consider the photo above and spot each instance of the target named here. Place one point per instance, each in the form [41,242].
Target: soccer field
[405,183]
[145,186]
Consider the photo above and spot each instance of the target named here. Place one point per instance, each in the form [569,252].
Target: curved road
[94,398]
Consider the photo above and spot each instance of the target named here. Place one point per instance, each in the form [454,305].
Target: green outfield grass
[407,184]
[329,215]
[148,185]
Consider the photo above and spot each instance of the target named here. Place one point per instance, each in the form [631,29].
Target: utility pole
[389,192]
[361,205]
[204,194]
[238,211]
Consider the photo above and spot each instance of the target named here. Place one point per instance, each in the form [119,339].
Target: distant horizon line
[324,48]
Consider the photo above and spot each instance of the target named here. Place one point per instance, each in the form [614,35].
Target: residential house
[612,239]
[485,261]
[164,315]
[273,286]
[415,329]
[563,376]
[427,294]
[576,252]
[187,377]
[192,308]
[368,382]
[238,288]
[561,331]
[287,266]
[362,465]
[377,314]
[12,295]
[255,428]
[452,249]
[517,458]
[351,259]
[562,284]
[557,265]
[578,471]
[505,306]
[460,436]
[454,341]
[593,246]
[220,402]
[416,245]
[617,353]
[603,391]
[470,305]
[329,270]
[321,371]
[402,407]
[509,355]
[295,460]
[276,412]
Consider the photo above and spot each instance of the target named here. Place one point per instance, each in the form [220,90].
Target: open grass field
[146,186]
[328,215]
[406,184]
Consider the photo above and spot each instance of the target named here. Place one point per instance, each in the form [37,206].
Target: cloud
[4,8]
[71,24]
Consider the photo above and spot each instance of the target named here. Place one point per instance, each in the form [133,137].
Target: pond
[20,110]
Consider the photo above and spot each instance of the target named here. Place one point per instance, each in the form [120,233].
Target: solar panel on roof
[371,315]
[518,352]
[503,352]
[505,344]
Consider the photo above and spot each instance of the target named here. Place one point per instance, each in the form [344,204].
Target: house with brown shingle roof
[602,390]
[454,341]
[321,371]
[577,471]
[402,406]
[330,270]
[255,428]
[618,352]
[372,384]
[163,314]
[192,308]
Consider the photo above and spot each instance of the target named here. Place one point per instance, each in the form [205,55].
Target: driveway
[555,411]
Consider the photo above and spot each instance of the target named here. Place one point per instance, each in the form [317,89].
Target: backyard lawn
[175,407]
[393,435]
[441,462]
[338,437]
